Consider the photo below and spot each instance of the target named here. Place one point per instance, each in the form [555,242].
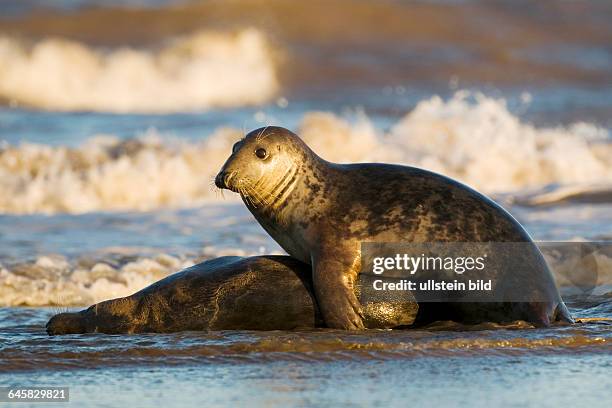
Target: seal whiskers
[251,196]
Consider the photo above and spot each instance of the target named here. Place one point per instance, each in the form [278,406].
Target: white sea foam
[476,141]
[53,280]
[199,71]
[483,144]
[108,174]
[109,273]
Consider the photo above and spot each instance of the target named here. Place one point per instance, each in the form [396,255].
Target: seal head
[264,167]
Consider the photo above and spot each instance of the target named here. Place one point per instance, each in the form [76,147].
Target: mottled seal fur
[320,213]
[256,293]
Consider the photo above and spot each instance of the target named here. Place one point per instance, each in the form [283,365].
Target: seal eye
[261,153]
[235,146]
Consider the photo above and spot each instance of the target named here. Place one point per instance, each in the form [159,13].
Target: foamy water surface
[199,71]
[110,138]
[470,137]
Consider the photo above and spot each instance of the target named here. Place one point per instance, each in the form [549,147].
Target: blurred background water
[114,116]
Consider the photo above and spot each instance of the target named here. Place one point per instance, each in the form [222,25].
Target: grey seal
[321,212]
[254,293]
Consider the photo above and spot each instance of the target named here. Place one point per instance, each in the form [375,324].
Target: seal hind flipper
[66,323]
[562,314]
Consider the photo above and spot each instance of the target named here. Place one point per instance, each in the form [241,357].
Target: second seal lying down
[257,293]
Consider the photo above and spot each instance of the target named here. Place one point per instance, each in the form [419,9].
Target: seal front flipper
[335,296]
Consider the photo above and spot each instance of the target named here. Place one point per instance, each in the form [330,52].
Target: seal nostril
[220,179]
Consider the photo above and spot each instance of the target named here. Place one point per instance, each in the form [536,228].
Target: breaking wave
[195,72]
[469,137]
[54,280]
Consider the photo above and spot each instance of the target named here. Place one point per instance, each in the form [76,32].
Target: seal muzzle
[222,179]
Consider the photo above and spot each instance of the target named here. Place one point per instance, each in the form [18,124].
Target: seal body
[320,213]
[257,293]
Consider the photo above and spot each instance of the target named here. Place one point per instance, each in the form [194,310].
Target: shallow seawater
[545,380]
[105,185]
[377,368]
